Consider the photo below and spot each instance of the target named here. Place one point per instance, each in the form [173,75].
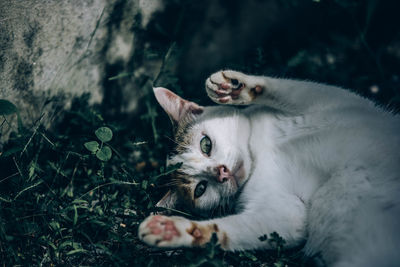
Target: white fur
[322,166]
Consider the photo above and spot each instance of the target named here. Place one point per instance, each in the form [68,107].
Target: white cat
[311,162]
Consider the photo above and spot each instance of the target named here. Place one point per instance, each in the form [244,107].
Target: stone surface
[51,51]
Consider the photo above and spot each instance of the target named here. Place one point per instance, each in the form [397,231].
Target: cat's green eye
[200,189]
[205,145]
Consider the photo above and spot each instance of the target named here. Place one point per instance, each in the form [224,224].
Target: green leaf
[54,225]
[11,151]
[119,76]
[263,238]
[79,250]
[7,108]
[65,244]
[104,134]
[20,124]
[249,255]
[99,223]
[27,188]
[75,215]
[79,202]
[70,191]
[104,153]
[9,237]
[144,184]
[92,146]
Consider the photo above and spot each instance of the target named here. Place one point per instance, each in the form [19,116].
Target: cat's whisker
[172,183]
[172,140]
[175,142]
[166,185]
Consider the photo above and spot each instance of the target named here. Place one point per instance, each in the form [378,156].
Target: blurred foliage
[64,203]
[350,43]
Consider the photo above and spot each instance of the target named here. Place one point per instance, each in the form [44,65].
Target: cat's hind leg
[353,222]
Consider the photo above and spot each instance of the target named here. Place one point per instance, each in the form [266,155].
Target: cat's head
[212,145]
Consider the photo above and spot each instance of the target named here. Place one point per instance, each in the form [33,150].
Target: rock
[51,51]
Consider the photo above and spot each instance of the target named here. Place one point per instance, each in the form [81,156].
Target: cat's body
[311,162]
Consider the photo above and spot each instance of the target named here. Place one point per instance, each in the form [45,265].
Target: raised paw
[163,231]
[232,87]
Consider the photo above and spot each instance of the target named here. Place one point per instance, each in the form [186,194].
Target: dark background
[353,44]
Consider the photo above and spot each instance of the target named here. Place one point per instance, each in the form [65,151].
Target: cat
[315,163]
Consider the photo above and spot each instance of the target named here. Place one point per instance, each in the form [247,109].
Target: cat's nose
[223,173]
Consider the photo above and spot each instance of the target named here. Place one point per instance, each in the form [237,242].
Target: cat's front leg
[235,232]
[235,88]
[174,231]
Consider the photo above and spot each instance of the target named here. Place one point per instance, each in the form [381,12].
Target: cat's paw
[163,231]
[232,87]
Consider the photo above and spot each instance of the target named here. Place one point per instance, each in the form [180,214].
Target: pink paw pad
[225,86]
[164,227]
[196,233]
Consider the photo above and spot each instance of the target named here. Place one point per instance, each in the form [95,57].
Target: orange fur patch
[202,234]
[224,240]
[256,91]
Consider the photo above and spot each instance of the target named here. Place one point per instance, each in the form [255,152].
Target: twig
[110,183]
[47,139]
[33,134]
[116,152]
[30,216]
[29,187]
[95,29]
[165,59]
[18,168]
[5,200]
[10,176]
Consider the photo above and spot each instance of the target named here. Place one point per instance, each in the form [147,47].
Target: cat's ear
[175,106]
[169,200]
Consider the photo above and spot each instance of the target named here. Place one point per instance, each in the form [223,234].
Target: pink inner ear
[195,109]
[168,201]
[169,94]
[175,106]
